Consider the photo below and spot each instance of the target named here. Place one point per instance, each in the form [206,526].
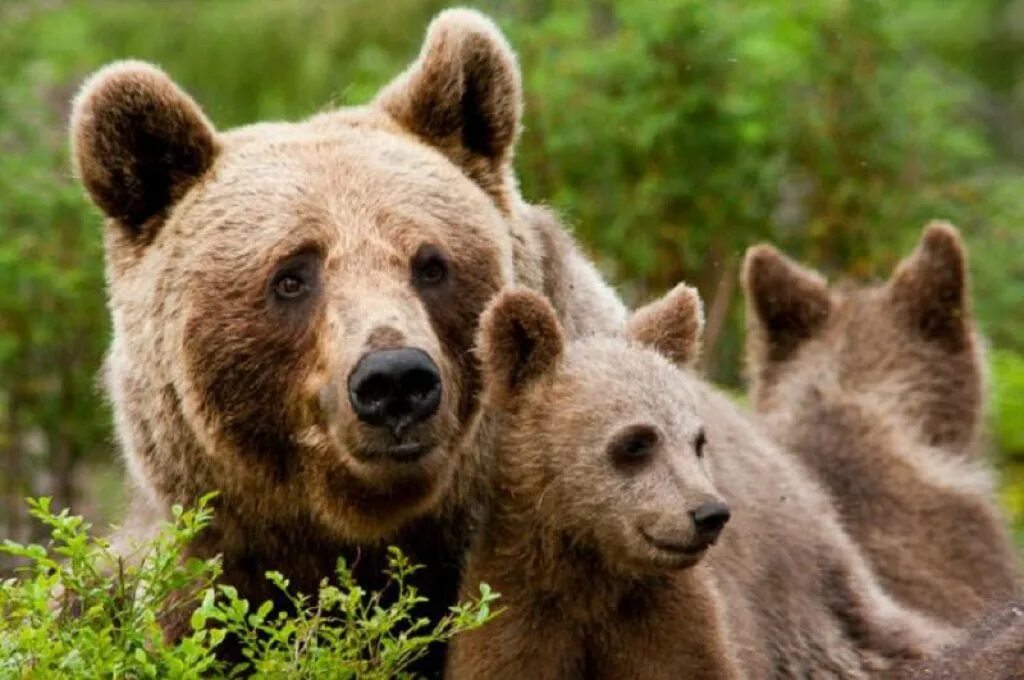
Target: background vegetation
[672,133]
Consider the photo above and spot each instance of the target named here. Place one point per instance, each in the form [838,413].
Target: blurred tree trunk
[13,469]
[64,451]
[717,313]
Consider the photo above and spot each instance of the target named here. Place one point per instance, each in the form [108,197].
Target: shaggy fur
[575,536]
[878,391]
[218,382]
[993,651]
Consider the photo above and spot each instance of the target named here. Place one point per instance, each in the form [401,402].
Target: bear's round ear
[138,143]
[463,95]
[520,340]
[672,325]
[786,304]
[929,289]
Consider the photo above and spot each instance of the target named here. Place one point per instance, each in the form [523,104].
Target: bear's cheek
[245,369]
[454,312]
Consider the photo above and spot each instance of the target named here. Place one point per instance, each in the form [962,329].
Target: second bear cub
[879,391]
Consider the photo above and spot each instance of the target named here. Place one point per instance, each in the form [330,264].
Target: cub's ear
[786,303]
[672,325]
[929,289]
[463,95]
[520,340]
[138,143]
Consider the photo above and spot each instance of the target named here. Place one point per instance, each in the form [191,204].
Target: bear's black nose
[395,388]
[710,517]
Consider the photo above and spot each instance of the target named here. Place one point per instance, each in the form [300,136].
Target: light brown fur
[217,384]
[783,594]
[879,391]
[994,650]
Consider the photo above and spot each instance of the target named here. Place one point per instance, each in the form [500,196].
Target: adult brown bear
[294,305]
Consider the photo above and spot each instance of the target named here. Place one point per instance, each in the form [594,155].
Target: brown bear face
[908,345]
[327,324]
[601,438]
[299,301]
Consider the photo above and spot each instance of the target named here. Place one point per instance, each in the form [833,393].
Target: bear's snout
[395,388]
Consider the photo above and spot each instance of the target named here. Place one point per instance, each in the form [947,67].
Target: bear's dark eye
[635,445]
[295,278]
[429,266]
[699,442]
[290,286]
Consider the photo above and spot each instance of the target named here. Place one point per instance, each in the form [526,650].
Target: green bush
[1008,403]
[79,610]
[1008,431]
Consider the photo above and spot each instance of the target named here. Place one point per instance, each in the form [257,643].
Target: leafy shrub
[80,610]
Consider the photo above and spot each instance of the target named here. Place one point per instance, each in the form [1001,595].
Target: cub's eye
[295,278]
[290,286]
[699,442]
[635,445]
[429,266]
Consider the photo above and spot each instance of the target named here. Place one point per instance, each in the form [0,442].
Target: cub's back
[801,600]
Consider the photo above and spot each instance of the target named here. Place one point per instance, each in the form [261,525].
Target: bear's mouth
[406,452]
[689,549]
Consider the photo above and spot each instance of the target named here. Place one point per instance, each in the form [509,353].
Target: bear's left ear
[139,143]
[672,325]
[786,304]
[520,340]
[463,95]
[929,289]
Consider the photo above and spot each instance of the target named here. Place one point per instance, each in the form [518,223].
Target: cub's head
[294,304]
[908,346]
[600,438]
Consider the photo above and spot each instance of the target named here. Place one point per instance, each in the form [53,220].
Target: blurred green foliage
[671,133]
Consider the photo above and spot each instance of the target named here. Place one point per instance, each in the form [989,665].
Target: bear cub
[603,506]
[613,474]
[878,390]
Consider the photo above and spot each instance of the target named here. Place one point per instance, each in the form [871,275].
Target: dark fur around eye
[699,443]
[429,267]
[635,445]
[296,278]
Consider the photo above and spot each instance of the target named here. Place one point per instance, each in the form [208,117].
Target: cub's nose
[710,517]
[395,388]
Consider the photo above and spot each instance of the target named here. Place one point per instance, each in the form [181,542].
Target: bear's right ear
[929,289]
[463,95]
[672,325]
[786,303]
[138,143]
[520,340]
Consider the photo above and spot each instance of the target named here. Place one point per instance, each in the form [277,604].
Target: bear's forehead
[608,376]
[362,164]
[349,188]
[863,324]
[863,342]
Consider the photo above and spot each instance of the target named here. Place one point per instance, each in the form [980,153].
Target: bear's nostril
[374,390]
[710,518]
[420,384]
[395,388]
